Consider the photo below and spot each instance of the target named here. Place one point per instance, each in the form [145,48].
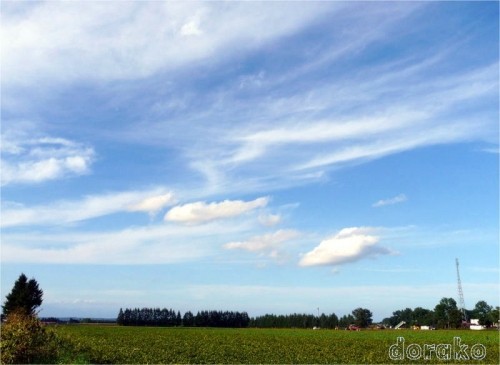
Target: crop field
[126,345]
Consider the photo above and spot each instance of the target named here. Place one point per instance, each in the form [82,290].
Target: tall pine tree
[25,296]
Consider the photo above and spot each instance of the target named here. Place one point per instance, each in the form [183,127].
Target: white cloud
[28,159]
[120,251]
[152,244]
[200,212]
[269,220]
[290,134]
[398,141]
[350,244]
[191,28]
[73,41]
[401,198]
[153,204]
[494,150]
[104,251]
[92,206]
[280,131]
[267,242]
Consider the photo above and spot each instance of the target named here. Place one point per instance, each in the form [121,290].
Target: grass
[131,345]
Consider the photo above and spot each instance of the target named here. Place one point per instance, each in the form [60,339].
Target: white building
[474,325]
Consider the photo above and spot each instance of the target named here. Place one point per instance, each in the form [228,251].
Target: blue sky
[268,157]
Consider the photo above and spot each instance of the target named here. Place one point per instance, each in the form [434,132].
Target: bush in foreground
[24,340]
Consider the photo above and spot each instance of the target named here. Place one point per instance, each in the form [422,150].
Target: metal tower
[461,295]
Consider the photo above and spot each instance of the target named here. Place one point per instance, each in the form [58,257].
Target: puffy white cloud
[401,198]
[200,212]
[153,204]
[266,242]
[350,244]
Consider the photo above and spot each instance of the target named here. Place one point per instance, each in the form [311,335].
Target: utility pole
[460,294]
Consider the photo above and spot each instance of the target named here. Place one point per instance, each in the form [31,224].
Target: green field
[113,344]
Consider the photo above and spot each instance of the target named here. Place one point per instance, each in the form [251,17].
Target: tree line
[446,314]
[296,320]
[170,318]
[361,317]
[26,297]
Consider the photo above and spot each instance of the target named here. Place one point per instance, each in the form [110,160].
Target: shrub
[25,340]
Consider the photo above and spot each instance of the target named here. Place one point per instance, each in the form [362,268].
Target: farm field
[126,345]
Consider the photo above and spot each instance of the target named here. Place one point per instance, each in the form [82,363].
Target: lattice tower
[460,294]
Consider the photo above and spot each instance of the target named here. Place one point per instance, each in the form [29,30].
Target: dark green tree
[447,314]
[401,315]
[495,316]
[120,320]
[482,311]
[362,317]
[25,296]
[422,316]
[188,319]
[346,320]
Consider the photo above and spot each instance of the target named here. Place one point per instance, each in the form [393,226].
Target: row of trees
[26,296]
[170,318]
[445,315]
[361,317]
[295,321]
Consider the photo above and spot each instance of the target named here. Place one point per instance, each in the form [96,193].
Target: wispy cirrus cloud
[269,244]
[288,131]
[153,204]
[316,129]
[31,159]
[101,41]
[92,206]
[153,244]
[349,245]
[270,220]
[491,150]
[397,125]
[201,212]
[401,198]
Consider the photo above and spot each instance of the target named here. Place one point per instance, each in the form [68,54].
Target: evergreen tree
[120,320]
[346,320]
[25,296]
[188,320]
